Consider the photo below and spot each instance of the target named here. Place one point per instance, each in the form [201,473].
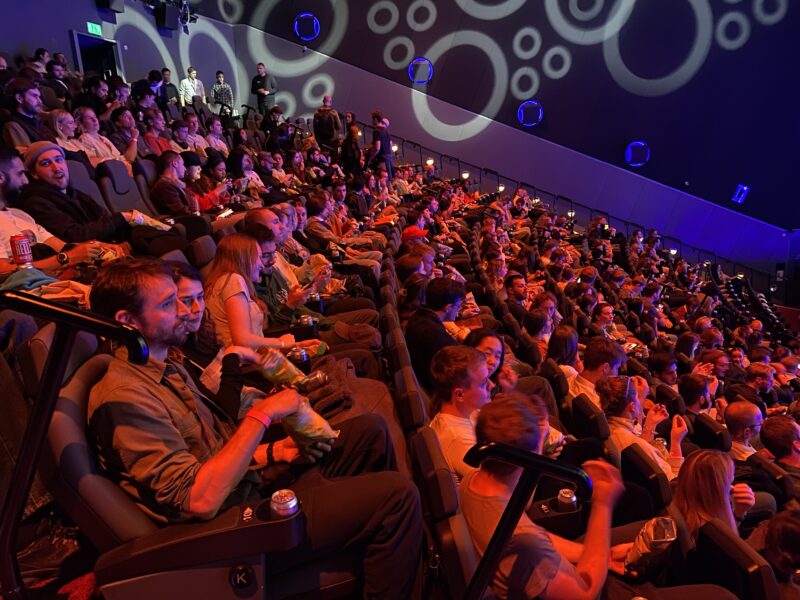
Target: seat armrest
[240,531]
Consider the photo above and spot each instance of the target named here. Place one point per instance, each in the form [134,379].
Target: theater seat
[637,467]
[439,493]
[709,434]
[723,558]
[397,350]
[119,189]
[32,355]
[588,421]
[200,251]
[80,180]
[140,559]
[409,400]
[145,174]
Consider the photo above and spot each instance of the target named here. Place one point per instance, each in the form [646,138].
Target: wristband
[259,416]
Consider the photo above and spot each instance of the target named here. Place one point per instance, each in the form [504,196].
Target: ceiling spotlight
[501,188]
[429,162]
[465,175]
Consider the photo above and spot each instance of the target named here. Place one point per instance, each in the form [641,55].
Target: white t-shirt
[14,221]
[456,436]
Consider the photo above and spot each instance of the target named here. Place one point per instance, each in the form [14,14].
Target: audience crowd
[234,247]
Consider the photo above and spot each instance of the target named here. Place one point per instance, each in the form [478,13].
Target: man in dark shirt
[24,127]
[264,87]
[95,98]
[168,92]
[269,125]
[517,296]
[55,81]
[781,436]
[327,125]
[381,150]
[425,332]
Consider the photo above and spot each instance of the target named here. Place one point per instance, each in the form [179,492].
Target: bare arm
[238,313]
[218,477]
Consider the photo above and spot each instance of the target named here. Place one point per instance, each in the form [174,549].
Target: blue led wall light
[530,113]
[637,154]
[741,193]
[420,70]
[306,26]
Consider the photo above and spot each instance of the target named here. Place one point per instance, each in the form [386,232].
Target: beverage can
[283,504]
[567,501]
[21,254]
[311,382]
[306,320]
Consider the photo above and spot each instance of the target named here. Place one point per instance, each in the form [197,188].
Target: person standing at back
[264,87]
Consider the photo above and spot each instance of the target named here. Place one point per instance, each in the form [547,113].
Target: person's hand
[721,405]
[654,416]
[641,387]
[85,252]
[134,134]
[678,432]
[777,410]
[742,499]
[311,346]
[297,295]
[713,384]
[246,355]
[437,273]
[706,369]
[279,405]
[616,557]
[507,378]
[287,341]
[607,486]
[287,451]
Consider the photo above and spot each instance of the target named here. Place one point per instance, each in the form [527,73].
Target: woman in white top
[98,147]
[622,399]
[239,316]
[64,126]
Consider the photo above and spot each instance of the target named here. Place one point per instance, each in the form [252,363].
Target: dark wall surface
[439,124]
[708,84]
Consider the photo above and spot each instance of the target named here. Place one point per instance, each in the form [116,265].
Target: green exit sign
[94,28]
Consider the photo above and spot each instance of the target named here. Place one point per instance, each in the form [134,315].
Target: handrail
[573,203]
[534,467]
[68,322]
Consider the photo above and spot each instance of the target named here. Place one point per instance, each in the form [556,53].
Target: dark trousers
[353,504]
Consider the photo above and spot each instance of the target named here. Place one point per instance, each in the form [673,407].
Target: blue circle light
[420,70]
[306,26]
[637,154]
[530,113]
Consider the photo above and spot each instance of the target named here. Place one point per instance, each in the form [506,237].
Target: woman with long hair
[705,491]
[239,316]
[352,155]
[563,349]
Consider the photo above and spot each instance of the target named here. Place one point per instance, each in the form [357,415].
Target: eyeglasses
[627,383]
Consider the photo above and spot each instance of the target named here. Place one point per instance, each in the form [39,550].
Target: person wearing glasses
[622,399]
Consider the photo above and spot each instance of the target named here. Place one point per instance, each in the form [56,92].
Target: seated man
[517,296]
[536,564]
[461,387]
[602,358]
[743,420]
[14,221]
[425,331]
[756,389]
[25,126]
[75,217]
[781,436]
[181,458]
[169,195]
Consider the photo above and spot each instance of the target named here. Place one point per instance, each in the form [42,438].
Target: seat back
[399,356]
[671,399]
[588,420]
[32,356]
[119,189]
[201,251]
[724,559]
[778,474]
[80,180]
[550,370]
[440,506]
[102,510]
[389,319]
[639,468]
[145,174]
[409,402]
[710,434]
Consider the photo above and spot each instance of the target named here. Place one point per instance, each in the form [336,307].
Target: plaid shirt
[222,93]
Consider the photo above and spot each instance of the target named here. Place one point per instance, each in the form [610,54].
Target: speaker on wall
[117,6]
[167,16]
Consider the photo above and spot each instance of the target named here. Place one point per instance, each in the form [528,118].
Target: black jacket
[72,215]
[425,336]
